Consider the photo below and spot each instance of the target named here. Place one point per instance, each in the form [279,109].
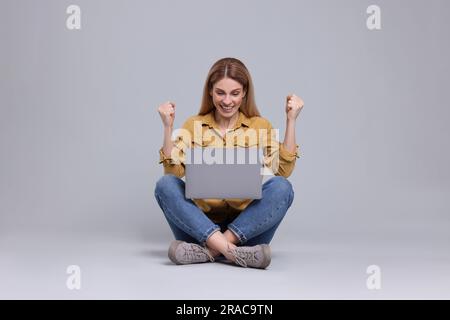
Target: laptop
[224,173]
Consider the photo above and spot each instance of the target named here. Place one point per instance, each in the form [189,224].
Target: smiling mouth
[226,109]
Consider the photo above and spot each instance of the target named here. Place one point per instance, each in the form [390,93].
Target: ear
[245,93]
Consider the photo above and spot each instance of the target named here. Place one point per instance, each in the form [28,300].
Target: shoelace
[197,251]
[241,257]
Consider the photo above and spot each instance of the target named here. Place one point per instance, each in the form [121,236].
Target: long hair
[234,69]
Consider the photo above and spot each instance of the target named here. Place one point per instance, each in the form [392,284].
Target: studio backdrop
[80,83]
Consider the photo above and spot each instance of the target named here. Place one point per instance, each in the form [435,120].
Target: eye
[236,94]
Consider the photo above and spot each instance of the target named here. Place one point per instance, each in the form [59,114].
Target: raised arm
[294,105]
[167,114]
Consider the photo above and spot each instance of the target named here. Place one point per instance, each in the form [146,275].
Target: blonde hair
[234,69]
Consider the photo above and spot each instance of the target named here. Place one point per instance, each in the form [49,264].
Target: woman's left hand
[294,105]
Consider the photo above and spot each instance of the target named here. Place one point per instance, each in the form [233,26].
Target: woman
[238,229]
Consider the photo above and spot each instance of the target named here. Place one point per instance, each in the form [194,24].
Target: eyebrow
[230,91]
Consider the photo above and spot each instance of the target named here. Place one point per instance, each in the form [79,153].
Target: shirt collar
[208,119]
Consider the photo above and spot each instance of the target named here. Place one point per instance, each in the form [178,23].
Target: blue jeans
[254,225]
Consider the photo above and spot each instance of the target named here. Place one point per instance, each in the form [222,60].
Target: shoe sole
[172,250]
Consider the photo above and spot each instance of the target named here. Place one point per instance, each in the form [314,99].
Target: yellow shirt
[203,131]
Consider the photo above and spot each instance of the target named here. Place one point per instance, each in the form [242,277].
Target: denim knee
[281,186]
[167,184]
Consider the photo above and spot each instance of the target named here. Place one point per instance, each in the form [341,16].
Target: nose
[227,100]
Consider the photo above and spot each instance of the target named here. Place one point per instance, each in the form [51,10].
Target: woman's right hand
[167,113]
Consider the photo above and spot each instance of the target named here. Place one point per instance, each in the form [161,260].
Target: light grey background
[79,136]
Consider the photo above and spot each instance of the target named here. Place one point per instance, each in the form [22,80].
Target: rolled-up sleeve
[287,160]
[277,158]
[169,166]
[175,165]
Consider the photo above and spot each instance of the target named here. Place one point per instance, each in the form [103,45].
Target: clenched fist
[167,113]
[294,105]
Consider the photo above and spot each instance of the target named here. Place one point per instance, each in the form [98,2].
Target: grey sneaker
[255,257]
[181,252]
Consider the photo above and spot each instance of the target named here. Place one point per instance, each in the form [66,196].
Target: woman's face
[227,95]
